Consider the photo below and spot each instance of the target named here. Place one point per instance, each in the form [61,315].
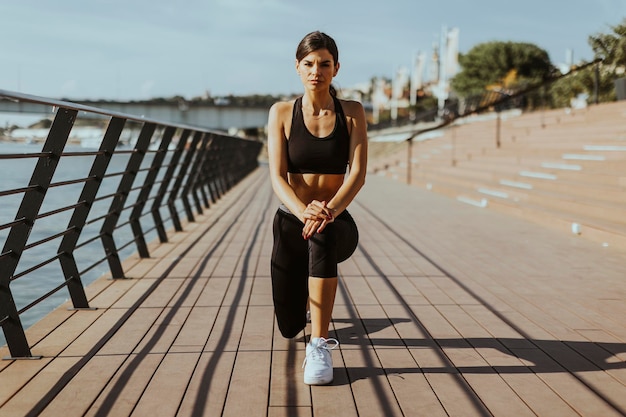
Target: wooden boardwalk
[445,309]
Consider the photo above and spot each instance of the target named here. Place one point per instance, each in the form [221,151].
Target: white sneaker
[318,363]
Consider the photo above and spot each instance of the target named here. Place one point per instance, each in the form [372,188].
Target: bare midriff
[320,187]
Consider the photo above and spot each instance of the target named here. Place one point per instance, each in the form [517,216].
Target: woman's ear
[337,68]
[297,70]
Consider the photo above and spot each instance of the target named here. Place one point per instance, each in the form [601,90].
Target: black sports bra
[308,154]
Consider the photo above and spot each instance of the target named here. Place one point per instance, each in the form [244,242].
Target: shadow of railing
[91,202]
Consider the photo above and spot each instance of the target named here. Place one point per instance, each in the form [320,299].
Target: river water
[15,174]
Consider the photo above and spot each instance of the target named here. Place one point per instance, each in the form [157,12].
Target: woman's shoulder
[281,106]
[281,109]
[351,108]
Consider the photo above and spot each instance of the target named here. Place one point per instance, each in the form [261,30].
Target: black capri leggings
[294,260]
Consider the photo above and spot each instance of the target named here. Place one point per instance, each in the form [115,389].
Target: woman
[312,141]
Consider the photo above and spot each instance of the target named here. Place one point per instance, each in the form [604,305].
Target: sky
[142,49]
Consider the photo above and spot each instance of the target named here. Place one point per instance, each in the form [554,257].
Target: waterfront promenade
[445,309]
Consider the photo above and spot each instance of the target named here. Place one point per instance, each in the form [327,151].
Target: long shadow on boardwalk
[602,352]
[546,356]
[120,385]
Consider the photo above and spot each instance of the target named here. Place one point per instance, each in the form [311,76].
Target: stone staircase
[561,168]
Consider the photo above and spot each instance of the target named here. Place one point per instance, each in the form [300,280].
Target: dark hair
[314,41]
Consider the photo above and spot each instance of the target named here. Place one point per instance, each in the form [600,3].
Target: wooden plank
[338,397]
[537,395]
[250,380]
[371,389]
[261,292]
[360,292]
[123,391]
[449,387]
[566,385]
[135,293]
[76,397]
[66,332]
[96,332]
[113,292]
[195,332]
[142,268]
[131,333]
[395,290]
[213,292]
[347,327]
[257,329]
[378,328]
[188,292]
[43,327]
[410,386]
[164,292]
[163,332]
[591,375]
[497,396]
[456,397]
[289,412]
[226,332]
[436,325]
[25,399]
[17,374]
[209,384]
[427,287]
[169,382]
[497,327]
[286,387]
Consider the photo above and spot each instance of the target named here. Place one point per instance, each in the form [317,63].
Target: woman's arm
[277,154]
[358,158]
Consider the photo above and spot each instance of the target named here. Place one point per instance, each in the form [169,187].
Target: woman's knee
[347,237]
[323,253]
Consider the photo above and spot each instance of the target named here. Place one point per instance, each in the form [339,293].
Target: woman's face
[317,70]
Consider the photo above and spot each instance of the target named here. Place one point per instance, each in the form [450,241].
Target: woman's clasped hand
[316,216]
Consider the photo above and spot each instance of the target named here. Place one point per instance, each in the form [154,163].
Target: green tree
[611,47]
[510,65]
[564,90]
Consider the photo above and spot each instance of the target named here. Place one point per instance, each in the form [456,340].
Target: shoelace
[322,343]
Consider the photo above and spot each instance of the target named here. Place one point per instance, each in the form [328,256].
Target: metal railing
[134,185]
[497,100]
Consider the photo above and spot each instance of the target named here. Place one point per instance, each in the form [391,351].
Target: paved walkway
[445,309]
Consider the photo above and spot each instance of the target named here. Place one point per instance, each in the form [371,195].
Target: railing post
[193,176]
[169,175]
[498,128]
[202,174]
[409,163]
[213,170]
[453,146]
[135,215]
[179,180]
[121,195]
[79,217]
[228,161]
[19,233]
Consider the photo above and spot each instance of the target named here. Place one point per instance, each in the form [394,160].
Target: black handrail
[177,169]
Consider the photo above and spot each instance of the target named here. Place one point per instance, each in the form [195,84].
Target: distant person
[312,141]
